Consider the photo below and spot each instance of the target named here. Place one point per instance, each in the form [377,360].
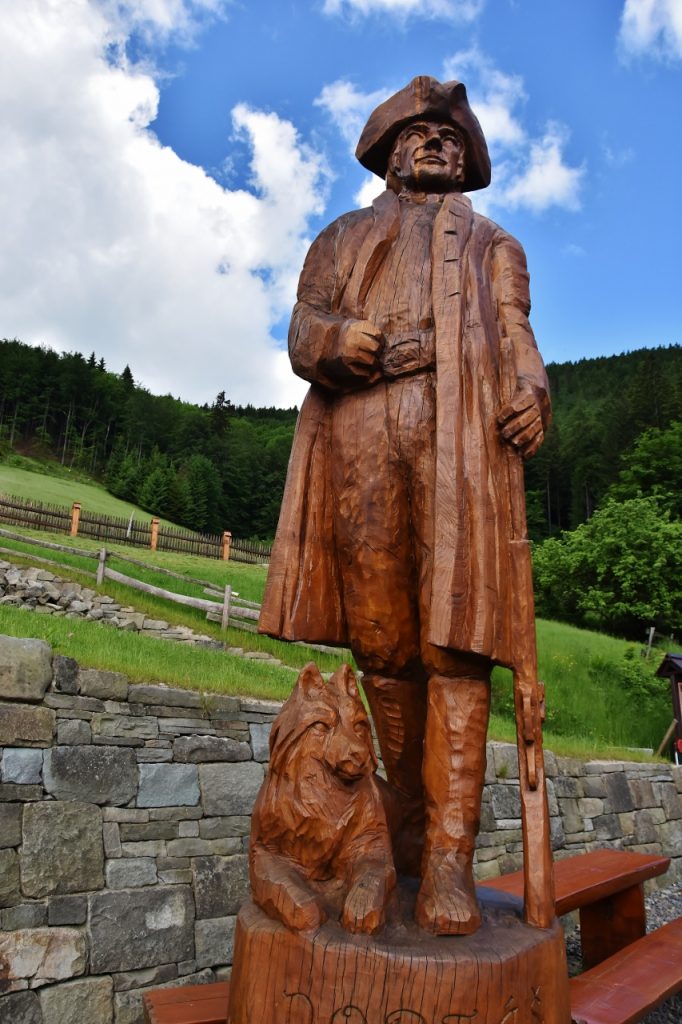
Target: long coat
[479,297]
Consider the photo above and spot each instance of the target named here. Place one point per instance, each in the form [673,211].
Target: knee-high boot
[454,773]
[398,708]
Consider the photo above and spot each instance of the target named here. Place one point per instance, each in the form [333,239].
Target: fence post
[226,607]
[75,518]
[155,534]
[101,565]
[227,543]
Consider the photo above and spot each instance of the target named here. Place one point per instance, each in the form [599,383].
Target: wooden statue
[402,534]
[319,835]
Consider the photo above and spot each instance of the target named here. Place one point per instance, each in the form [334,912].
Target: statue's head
[426,138]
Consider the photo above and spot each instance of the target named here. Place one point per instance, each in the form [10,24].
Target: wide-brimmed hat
[432,100]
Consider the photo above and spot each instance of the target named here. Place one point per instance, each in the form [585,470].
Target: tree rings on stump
[505,973]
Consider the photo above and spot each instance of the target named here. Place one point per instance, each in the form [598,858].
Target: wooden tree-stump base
[506,973]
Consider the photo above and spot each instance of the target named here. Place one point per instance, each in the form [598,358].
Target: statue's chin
[426,181]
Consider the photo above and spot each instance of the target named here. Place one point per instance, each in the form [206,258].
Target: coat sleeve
[510,288]
[314,329]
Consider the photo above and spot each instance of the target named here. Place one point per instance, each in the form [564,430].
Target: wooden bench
[607,888]
[629,972]
[187,1004]
[624,988]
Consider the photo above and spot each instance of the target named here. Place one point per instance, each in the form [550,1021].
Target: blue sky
[166,164]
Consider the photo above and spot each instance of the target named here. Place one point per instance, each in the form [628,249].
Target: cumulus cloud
[652,28]
[529,169]
[349,107]
[112,243]
[368,191]
[451,10]
[159,19]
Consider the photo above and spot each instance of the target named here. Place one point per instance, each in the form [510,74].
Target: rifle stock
[529,697]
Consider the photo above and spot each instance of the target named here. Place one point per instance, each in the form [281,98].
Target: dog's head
[325,722]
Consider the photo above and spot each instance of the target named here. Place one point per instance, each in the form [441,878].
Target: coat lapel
[451,234]
[372,252]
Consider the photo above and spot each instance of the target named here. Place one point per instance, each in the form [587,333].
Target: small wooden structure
[671,666]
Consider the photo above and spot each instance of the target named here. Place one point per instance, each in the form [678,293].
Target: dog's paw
[365,907]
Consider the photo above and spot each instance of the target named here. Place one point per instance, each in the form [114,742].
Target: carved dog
[319,816]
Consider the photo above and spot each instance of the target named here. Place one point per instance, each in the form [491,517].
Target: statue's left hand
[520,423]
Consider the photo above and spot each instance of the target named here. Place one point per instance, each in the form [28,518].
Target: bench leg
[611,924]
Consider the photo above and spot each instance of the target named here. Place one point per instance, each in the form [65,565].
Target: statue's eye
[361,727]
[320,728]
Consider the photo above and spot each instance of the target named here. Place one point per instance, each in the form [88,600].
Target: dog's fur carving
[319,817]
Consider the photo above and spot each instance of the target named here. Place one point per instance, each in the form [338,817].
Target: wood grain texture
[320,843]
[187,1004]
[506,973]
[606,886]
[402,534]
[623,989]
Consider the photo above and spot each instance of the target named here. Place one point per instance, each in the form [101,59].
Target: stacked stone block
[124,817]
[124,821]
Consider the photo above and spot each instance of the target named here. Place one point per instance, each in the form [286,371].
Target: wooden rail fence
[153,534]
[228,609]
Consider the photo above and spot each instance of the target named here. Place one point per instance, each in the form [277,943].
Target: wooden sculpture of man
[395,535]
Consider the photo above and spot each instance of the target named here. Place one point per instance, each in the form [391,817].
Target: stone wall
[124,816]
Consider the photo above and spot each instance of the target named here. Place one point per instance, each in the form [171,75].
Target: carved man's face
[428,156]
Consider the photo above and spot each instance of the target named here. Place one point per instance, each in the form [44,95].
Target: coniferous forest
[604,494]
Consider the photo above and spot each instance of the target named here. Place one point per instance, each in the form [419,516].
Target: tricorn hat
[431,100]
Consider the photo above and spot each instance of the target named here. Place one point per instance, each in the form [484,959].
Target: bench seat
[607,888]
[187,1004]
[624,988]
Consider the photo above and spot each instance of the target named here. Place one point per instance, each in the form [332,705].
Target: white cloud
[652,28]
[368,191]
[529,170]
[545,180]
[451,10]
[113,243]
[349,108]
[159,19]
[494,99]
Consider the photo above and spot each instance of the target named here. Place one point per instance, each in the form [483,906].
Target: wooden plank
[169,595]
[611,924]
[590,877]
[624,988]
[47,544]
[187,1004]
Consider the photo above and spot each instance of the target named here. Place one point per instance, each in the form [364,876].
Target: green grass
[599,691]
[148,659]
[601,696]
[28,481]
[249,580]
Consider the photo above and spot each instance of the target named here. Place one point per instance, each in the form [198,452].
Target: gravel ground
[662,906]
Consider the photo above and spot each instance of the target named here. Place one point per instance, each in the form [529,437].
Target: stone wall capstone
[124,822]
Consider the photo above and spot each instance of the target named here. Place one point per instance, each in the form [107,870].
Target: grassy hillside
[55,485]
[599,691]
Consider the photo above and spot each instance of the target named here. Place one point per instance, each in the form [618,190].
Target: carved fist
[356,353]
[520,423]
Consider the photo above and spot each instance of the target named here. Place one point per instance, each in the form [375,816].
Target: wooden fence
[34,514]
[152,534]
[227,609]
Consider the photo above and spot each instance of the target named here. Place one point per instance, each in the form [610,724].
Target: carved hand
[356,353]
[520,422]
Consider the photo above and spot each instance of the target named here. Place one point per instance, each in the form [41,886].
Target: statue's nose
[433,142]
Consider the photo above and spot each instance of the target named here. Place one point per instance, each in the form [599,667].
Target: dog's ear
[310,682]
[344,681]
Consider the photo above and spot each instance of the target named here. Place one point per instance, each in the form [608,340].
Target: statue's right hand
[356,353]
